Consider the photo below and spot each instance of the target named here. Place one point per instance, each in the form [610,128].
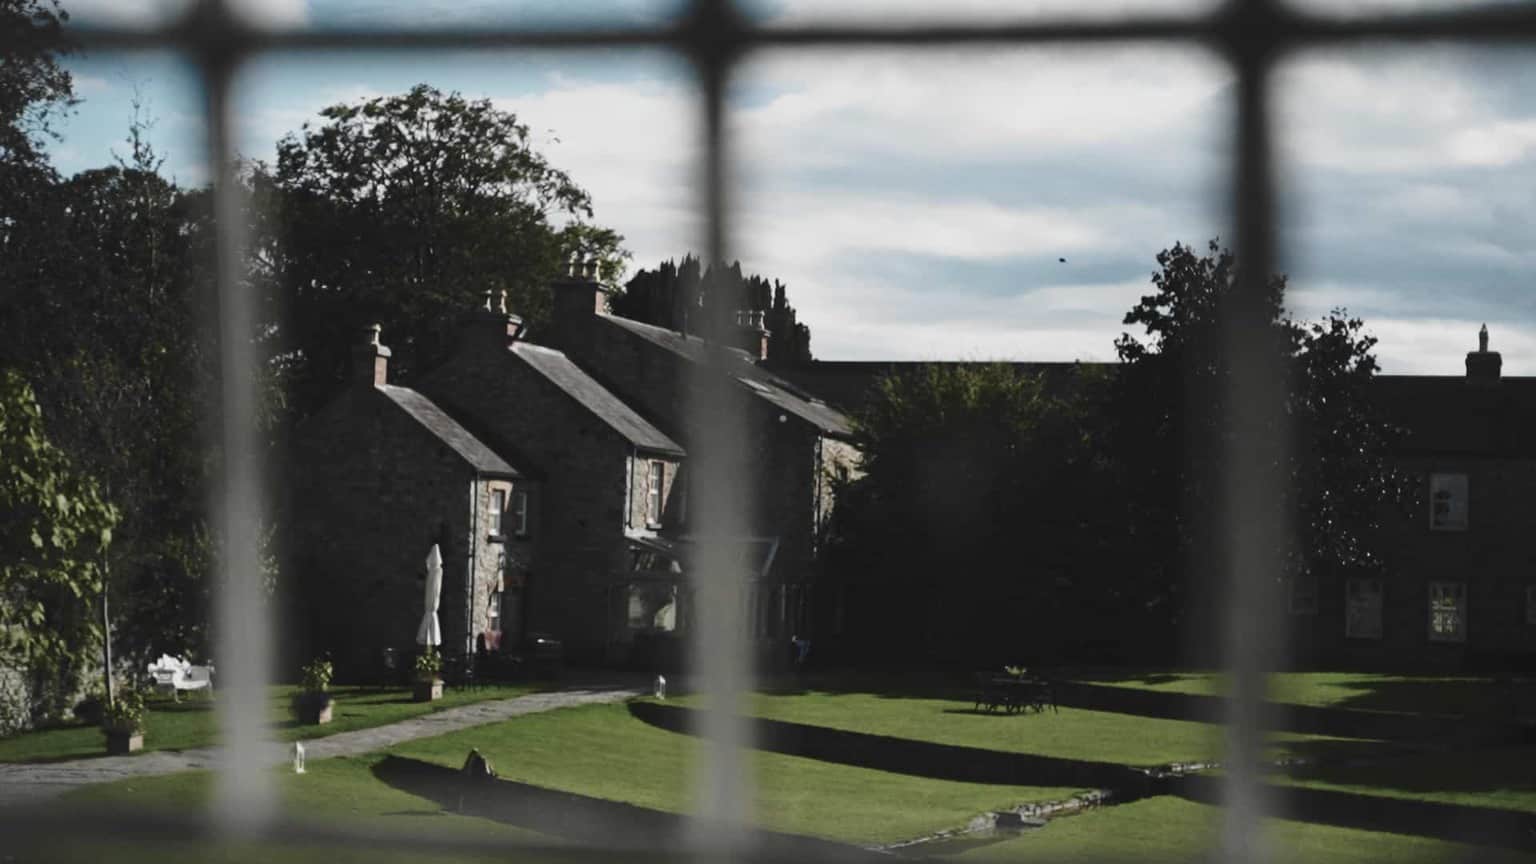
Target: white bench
[175,675]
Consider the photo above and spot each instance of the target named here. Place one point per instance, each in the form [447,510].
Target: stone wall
[583,465]
[372,491]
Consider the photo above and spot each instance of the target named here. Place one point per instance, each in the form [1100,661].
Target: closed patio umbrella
[430,633]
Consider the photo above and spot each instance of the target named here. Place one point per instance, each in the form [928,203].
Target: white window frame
[655,483]
[520,512]
[1456,490]
[493,611]
[1363,597]
[1447,605]
[498,511]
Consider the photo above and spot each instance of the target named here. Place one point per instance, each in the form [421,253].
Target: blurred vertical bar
[718,443]
[1256,444]
[244,799]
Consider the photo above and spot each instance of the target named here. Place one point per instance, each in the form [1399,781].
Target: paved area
[21,783]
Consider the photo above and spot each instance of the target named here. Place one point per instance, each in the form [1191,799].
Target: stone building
[609,476]
[1459,588]
[797,443]
[380,474]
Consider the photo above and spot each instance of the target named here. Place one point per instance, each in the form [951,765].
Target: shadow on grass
[912,757]
[613,825]
[1304,719]
[1483,826]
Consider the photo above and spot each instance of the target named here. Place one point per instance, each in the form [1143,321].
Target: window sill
[496,538]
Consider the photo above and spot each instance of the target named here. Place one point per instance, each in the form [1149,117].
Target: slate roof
[773,389]
[447,430]
[1447,414]
[560,371]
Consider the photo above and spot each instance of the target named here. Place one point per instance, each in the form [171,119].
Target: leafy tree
[977,493]
[687,297]
[405,210]
[1170,428]
[55,530]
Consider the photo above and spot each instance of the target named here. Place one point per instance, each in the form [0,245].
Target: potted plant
[312,704]
[123,722]
[429,681]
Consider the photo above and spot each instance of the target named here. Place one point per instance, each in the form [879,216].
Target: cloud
[149,13]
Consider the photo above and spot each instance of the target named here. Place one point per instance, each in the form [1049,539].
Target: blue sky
[918,204]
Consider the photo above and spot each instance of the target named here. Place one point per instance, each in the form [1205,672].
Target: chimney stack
[370,360]
[751,334]
[579,295]
[1483,365]
[494,324]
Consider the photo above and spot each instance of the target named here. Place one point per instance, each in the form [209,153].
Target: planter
[312,709]
[120,743]
[427,691]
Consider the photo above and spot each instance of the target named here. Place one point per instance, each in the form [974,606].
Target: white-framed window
[1303,591]
[1448,502]
[653,480]
[493,613]
[1362,608]
[520,512]
[1447,612]
[498,510]
[1530,604]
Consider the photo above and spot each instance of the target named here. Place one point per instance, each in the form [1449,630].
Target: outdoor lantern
[298,757]
[661,687]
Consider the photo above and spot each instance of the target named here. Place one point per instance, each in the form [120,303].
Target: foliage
[35,90]
[126,713]
[1172,428]
[978,489]
[687,297]
[405,210]
[316,676]
[54,530]
[429,664]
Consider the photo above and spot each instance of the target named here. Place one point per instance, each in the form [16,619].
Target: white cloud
[830,110]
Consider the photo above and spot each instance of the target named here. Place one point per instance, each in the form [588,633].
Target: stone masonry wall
[372,491]
[582,508]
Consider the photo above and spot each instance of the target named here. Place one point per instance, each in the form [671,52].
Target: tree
[55,530]
[1170,427]
[405,210]
[977,495]
[687,297]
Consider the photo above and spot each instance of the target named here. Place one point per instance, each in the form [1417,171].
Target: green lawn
[1097,736]
[601,751]
[1448,695]
[338,794]
[192,722]
[1503,778]
[1158,830]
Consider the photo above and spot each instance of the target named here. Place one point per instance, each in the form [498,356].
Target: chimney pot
[371,359]
[1484,366]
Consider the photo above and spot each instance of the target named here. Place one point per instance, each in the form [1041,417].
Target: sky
[919,205]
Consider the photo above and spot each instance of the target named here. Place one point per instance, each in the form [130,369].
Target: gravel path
[21,783]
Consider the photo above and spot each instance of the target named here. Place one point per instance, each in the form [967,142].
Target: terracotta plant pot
[120,743]
[312,709]
[427,691]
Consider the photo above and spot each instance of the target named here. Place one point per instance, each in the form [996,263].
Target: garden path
[27,782]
